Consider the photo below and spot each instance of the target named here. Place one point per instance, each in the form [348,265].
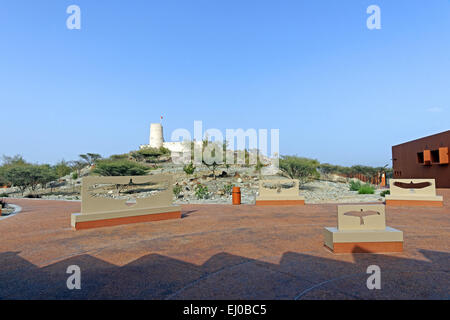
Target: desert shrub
[119,168]
[164,151]
[176,190]
[147,153]
[385,192]
[189,168]
[354,185]
[4,195]
[75,175]
[201,191]
[366,189]
[228,188]
[303,169]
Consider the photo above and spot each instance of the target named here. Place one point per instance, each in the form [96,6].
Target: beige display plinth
[413,192]
[362,229]
[279,192]
[100,209]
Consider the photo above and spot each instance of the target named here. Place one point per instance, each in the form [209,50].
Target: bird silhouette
[361,214]
[412,185]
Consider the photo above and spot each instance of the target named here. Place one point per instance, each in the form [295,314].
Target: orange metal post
[236,196]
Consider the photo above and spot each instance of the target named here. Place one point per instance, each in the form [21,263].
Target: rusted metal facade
[425,158]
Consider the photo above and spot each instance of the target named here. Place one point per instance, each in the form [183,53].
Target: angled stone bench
[104,204]
[362,229]
[279,192]
[413,192]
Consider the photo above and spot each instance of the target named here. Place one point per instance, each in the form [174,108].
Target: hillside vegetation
[201,182]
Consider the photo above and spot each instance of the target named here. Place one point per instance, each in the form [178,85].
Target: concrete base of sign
[363,241]
[108,219]
[414,201]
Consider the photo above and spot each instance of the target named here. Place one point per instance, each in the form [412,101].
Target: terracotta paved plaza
[218,252]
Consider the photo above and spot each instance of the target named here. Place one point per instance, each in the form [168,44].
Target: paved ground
[218,252]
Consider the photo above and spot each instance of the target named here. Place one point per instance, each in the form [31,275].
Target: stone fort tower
[156,140]
[156,135]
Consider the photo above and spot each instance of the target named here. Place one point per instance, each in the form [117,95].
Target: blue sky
[338,92]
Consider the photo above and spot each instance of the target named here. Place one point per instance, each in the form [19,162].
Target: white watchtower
[156,135]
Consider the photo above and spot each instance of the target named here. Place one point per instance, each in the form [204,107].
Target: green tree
[16,160]
[120,168]
[19,176]
[77,165]
[62,169]
[36,175]
[210,158]
[3,180]
[90,158]
[30,176]
[259,165]
[327,168]
[44,174]
[299,168]
[17,172]
[8,163]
